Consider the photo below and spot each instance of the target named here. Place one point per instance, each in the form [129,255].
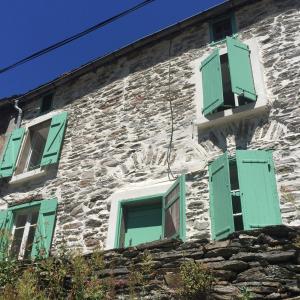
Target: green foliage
[245,294]
[196,280]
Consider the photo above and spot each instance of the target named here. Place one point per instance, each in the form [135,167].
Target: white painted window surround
[240,112]
[29,175]
[143,189]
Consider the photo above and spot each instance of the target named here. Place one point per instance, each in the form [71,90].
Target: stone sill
[229,115]
[20,178]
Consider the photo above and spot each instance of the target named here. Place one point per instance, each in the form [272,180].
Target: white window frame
[28,175]
[240,112]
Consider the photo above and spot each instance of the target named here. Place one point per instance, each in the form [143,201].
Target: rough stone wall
[119,127]
[263,263]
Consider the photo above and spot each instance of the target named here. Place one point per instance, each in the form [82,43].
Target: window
[152,218]
[222,27]
[36,146]
[27,229]
[243,193]
[46,103]
[227,79]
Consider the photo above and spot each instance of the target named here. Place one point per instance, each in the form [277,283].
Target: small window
[23,232]
[152,218]
[222,27]
[33,150]
[46,103]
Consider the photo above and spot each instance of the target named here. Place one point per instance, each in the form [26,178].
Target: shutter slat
[241,75]
[212,83]
[220,198]
[259,198]
[54,140]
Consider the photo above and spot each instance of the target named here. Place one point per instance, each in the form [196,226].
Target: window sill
[20,178]
[228,115]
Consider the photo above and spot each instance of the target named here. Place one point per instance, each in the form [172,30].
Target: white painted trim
[42,118]
[243,111]
[148,189]
[27,176]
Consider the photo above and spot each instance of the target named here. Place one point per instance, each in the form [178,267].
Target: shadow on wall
[235,134]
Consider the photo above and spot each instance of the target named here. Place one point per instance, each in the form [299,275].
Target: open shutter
[11,152]
[212,83]
[220,198]
[240,69]
[6,217]
[174,210]
[259,198]
[54,140]
[44,231]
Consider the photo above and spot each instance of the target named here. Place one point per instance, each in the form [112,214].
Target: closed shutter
[174,210]
[45,228]
[212,83]
[54,140]
[241,75]
[6,218]
[259,198]
[11,152]
[220,198]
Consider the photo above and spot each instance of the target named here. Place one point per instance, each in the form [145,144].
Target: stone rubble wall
[264,262]
[119,127]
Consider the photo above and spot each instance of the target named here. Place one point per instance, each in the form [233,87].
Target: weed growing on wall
[196,281]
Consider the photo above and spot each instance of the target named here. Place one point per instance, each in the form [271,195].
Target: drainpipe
[19,118]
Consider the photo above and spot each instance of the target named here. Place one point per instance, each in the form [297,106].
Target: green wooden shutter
[11,152]
[259,198]
[44,230]
[241,75]
[220,198]
[6,217]
[54,140]
[174,218]
[212,83]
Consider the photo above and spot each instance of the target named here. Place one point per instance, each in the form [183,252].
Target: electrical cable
[172,118]
[75,37]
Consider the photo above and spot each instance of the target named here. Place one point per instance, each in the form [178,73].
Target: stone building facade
[135,122]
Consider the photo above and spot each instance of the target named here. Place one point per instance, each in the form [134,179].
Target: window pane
[238,223]
[222,29]
[21,220]
[34,217]
[174,194]
[29,242]
[236,204]
[37,144]
[172,220]
[16,242]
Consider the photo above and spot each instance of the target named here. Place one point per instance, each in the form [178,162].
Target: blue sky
[28,26]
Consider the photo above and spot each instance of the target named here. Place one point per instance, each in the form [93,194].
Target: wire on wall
[170,173]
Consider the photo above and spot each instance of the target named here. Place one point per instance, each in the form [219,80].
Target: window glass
[33,149]
[173,195]
[172,219]
[221,29]
[46,104]
[24,228]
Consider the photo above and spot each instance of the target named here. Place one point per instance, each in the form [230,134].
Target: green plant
[245,294]
[196,280]
[27,287]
